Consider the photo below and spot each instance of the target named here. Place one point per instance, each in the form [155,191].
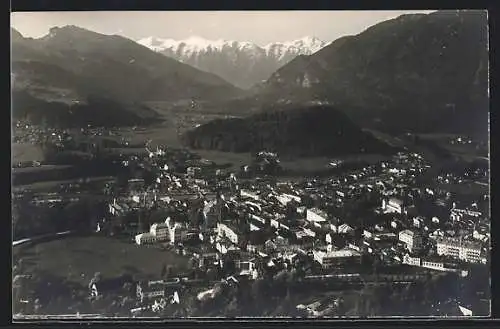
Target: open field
[390,140]
[166,132]
[39,169]
[159,135]
[469,188]
[26,152]
[78,258]
[467,152]
[235,159]
[55,184]
[323,163]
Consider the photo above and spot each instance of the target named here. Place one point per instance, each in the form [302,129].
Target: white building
[248,194]
[284,198]
[345,229]
[412,240]
[152,289]
[316,215]
[247,268]
[160,230]
[454,247]
[418,222]
[438,266]
[177,233]
[393,206]
[231,233]
[145,238]
[457,214]
[409,260]
[329,259]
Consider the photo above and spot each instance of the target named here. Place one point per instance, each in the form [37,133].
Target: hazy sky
[260,27]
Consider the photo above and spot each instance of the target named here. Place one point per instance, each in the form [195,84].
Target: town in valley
[175,216]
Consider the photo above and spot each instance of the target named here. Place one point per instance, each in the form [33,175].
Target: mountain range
[414,73]
[242,63]
[417,72]
[70,68]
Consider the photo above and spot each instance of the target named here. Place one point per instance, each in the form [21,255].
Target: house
[224,246]
[481,235]
[328,238]
[412,239]
[255,225]
[334,224]
[328,259]
[393,206]
[160,231]
[145,238]
[247,268]
[316,215]
[418,222]
[249,195]
[458,248]
[178,233]
[206,256]
[275,223]
[368,234]
[229,231]
[345,229]
[309,232]
[284,198]
[193,172]
[111,285]
[150,290]
[458,214]
[413,261]
[301,210]
[117,209]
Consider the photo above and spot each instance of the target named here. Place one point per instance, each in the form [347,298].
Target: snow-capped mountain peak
[305,45]
[193,44]
[311,43]
[241,62]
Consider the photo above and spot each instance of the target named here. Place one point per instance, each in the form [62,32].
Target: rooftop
[408,232]
[395,201]
[457,242]
[318,212]
[341,253]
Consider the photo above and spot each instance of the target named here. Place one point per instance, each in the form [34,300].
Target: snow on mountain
[193,45]
[241,63]
[304,46]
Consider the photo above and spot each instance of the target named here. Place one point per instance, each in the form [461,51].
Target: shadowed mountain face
[425,73]
[288,130]
[71,64]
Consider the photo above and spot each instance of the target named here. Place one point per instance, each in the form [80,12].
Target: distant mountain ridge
[71,65]
[241,63]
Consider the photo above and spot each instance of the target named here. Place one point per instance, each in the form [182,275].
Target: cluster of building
[264,227]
